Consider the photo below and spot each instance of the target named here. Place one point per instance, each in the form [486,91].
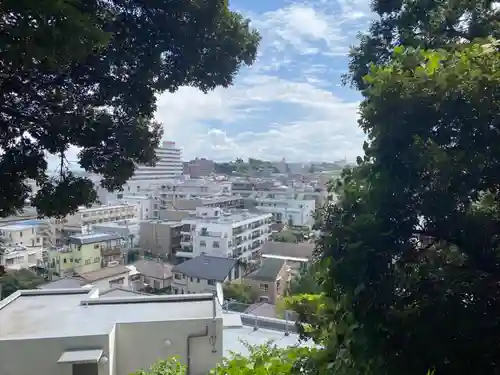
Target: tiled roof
[151,268]
[104,273]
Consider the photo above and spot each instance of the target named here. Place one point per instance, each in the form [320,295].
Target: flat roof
[62,313]
[84,239]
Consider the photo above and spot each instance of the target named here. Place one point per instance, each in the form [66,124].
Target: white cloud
[320,126]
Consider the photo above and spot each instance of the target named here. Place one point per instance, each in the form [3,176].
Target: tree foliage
[428,24]
[265,359]
[240,292]
[412,247]
[12,281]
[86,74]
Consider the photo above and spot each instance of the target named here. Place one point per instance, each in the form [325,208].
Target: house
[270,280]
[82,254]
[72,332]
[104,278]
[201,274]
[149,274]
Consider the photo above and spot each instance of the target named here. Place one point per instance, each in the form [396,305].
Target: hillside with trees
[240,167]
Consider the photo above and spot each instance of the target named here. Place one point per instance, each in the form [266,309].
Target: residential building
[22,245]
[104,278]
[83,220]
[77,332]
[202,273]
[168,166]
[82,254]
[214,232]
[289,211]
[25,233]
[199,167]
[16,257]
[161,238]
[150,275]
[128,229]
[270,280]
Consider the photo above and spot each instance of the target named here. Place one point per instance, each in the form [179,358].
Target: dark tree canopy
[412,249]
[86,73]
[428,24]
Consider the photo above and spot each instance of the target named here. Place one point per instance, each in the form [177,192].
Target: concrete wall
[39,356]
[132,346]
[138,345]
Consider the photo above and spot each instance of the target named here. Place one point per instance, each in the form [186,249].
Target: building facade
[168,166]
[214,232]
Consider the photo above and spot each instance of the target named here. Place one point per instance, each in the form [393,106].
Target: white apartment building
[168,166]
[22,245]
[84,218]
[25,233]
[16,257]
[214,232]
[288,211]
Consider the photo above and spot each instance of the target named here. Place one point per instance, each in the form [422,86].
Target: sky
[290,103]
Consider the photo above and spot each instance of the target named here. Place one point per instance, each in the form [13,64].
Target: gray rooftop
[63,313]
[151,268]
[206,267]
[66,283]
[84,239]
[295,250]
[121,292]
[268,271]
[257,332]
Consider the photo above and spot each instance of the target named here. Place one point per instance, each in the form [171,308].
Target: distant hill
[241,167]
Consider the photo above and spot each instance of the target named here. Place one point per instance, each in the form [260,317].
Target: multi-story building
[25,233]
[288,211]
[199,167]
[168,166]
[22,245]
[17,257]
[214,232]
[271,280]
[84,253]
[161,238]
[82,221]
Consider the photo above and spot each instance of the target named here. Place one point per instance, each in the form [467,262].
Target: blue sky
[290,103]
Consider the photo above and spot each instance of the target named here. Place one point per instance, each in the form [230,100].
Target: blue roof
[29,222]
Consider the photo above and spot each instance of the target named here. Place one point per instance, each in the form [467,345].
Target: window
[216,244]
[203,244]
[197,279]
[176,291]
[211,282]
[64,260]
[20,234]
[177,276]
[96,246]
[116,282]
[264,287]
[156,284]
[191,279]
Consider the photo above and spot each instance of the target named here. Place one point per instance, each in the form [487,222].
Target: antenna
[220,294]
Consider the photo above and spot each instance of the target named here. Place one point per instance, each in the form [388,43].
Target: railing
[262,315]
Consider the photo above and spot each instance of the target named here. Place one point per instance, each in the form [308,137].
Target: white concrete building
[84,218]
[22,245]
[74,332]
[288,211]
[168,166]
[25,233]
[214,232]
[16,257]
